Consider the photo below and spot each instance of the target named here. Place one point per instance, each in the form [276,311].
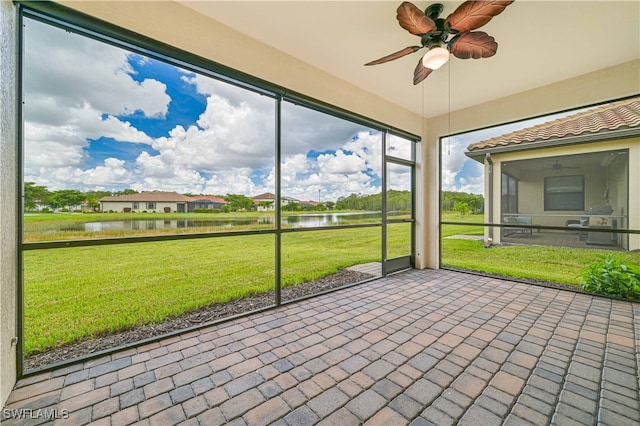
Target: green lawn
[75,293]
[554,264]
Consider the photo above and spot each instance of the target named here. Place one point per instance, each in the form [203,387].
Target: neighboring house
[202,202]
[149,201]
[579,171]
[308,204]
[266,202]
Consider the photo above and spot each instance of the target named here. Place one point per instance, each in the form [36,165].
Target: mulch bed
[202,316]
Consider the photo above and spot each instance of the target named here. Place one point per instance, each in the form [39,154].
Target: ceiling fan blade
[414,20]
[473,45]
[420,73]
[474,14]
[395,55]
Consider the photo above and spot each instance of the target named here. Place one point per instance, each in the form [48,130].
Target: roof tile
[616,115]
[149,196]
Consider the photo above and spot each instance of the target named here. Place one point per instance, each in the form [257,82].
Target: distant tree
[450,198]
[398,200]
[34,195]
[238,202]
[126,192]
[462,208]
[93,198]
[292,207]
[330,205]
[68,198]
[372,202]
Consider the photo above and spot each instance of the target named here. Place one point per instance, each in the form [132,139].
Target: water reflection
[291,221]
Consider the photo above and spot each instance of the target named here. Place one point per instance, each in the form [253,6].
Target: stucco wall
[8,198]
[531,191]
[118,206]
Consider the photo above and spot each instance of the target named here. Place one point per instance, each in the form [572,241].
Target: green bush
[207,210]
[609,276]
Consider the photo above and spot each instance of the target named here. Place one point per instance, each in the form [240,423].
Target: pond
[291,221]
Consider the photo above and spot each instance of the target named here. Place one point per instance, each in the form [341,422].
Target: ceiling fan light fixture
[435,58]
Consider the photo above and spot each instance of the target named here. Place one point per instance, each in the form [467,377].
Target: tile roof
[208,198]
[150,196]
[265,196]
[612,116]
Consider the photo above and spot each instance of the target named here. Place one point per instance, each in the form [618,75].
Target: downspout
[490,197]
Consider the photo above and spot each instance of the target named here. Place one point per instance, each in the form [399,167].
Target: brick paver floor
[419,347]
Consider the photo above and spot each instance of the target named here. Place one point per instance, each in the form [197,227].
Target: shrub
[207,210]
[609,276]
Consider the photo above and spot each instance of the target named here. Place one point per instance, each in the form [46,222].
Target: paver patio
[418,347]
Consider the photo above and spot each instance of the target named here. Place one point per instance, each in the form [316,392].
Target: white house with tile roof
[266,202]
[147,201]
[580,171]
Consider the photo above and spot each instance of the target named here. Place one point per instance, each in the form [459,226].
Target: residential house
[580,171]
[205,202]
[266,202]
[147,201]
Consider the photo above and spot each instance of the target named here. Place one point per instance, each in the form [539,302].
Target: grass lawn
[555,264]
[75,293]
[449,230]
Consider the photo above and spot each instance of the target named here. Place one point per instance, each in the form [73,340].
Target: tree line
[39,196]
[462,202]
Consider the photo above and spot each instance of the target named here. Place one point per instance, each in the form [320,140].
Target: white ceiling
[540,42]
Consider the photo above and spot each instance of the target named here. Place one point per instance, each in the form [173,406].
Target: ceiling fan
[557,167]
[434,34]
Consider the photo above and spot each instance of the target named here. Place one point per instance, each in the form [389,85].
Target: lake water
[292,221]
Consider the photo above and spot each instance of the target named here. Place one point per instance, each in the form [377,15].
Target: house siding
[119,206]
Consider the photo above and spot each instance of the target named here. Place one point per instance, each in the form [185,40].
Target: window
[564,193]
[190,138]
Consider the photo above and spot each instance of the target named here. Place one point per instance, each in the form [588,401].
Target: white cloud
[236,181]
[111,174]
[102,76]
[73,87]
[340,163]
[453,160]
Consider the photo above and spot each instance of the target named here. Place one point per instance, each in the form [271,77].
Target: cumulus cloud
[111,174]
[349,169]
[453,159]
[73,89]
[79,90]
[75,71]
